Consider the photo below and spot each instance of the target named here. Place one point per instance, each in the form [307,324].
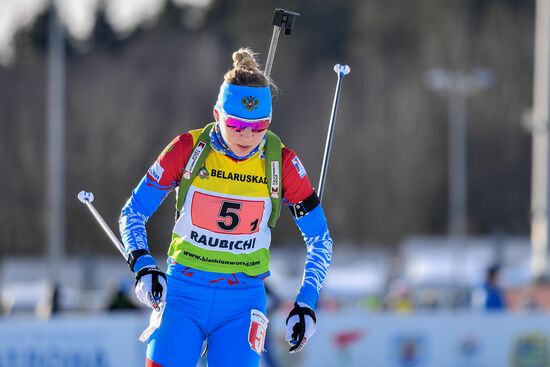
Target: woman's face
[240,142]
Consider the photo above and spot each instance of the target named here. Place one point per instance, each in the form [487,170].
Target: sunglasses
[238,123]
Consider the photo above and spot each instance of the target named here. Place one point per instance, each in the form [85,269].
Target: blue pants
[207,306]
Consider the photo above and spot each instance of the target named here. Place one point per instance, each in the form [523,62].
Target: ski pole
[281,19]
[341,71]
[87,198]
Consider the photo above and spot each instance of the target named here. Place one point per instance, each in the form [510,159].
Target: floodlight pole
[540,197]
[458,86]
[55,147]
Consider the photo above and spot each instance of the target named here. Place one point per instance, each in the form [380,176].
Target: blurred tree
[129,95]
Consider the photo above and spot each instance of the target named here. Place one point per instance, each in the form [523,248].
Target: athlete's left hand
[300,326]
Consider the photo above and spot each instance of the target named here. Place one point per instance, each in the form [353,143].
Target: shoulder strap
[196,160]
[273,157]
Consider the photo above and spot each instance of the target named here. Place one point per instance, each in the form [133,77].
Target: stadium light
[458,86]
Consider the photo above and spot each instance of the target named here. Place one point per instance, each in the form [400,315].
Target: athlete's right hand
[151,287]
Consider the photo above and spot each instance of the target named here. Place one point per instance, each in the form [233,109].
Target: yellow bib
[223,225]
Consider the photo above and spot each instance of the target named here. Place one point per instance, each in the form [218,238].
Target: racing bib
[223,226]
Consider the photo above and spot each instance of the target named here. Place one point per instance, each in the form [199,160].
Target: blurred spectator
[371,303]
[49,306]
[489,296]
[428,299]
[399,297]
[528,300]
[535,297]
[122,298]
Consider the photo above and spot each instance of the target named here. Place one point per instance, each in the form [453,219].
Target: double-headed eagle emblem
[250,103]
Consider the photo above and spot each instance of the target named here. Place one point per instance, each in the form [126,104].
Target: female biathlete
[232,177]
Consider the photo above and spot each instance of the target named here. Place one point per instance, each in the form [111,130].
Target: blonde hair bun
[246,71]
[245,58]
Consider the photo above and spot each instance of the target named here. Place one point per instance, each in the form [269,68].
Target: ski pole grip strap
[153,271]
[305,206]
[134,256]
[301,312]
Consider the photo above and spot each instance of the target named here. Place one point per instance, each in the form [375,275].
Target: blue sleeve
[142,204]
[314,229]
